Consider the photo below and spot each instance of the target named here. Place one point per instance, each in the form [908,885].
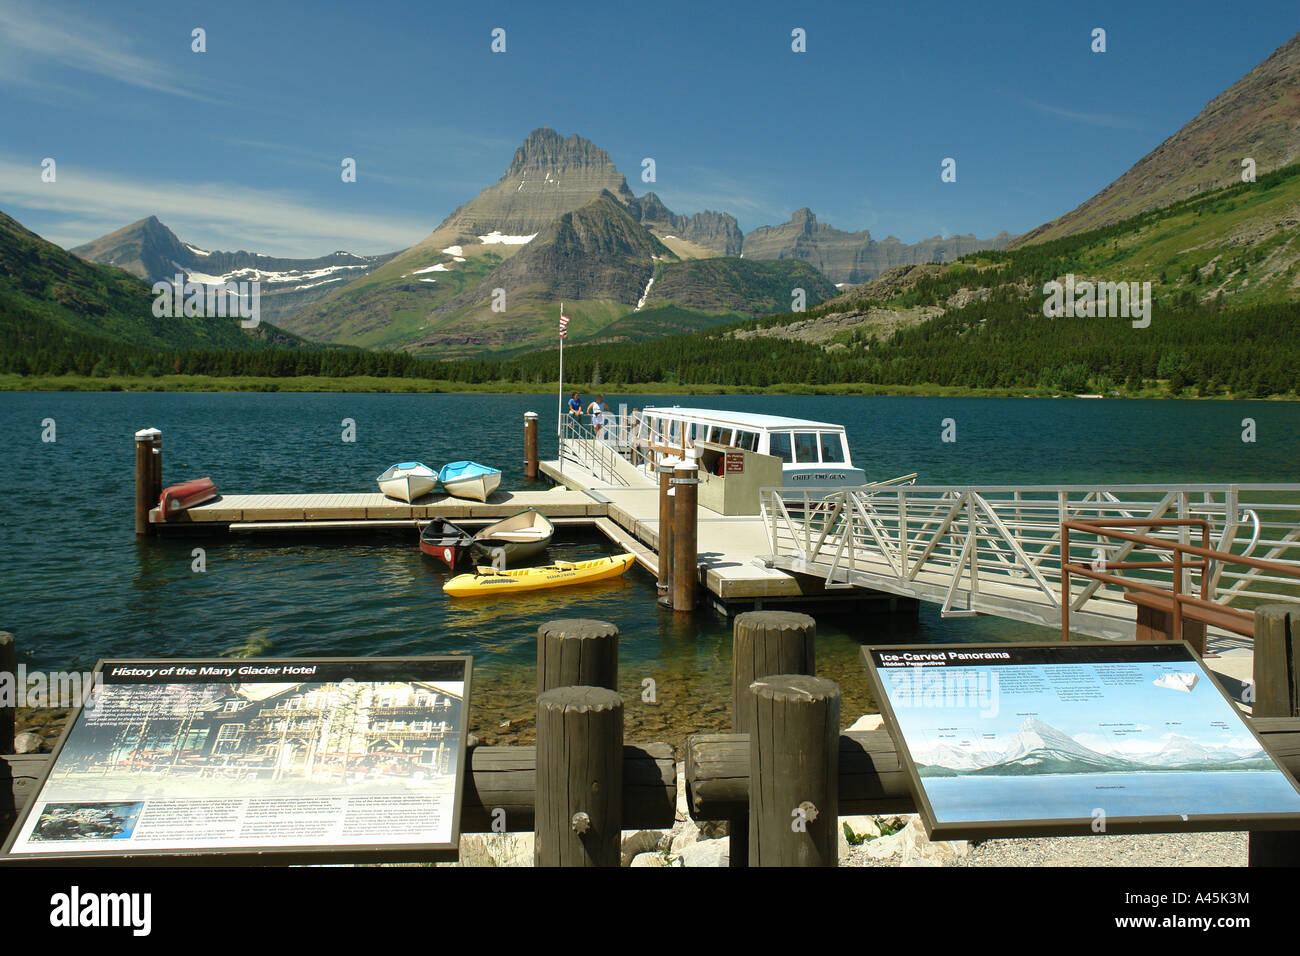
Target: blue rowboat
[469,479]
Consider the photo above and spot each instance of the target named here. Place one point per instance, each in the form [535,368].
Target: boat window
[832,447]
[747,440]
[779,446]
[724,436]
[805,446]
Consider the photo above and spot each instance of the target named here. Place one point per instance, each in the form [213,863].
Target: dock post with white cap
[665,471]
[686,572]
[530,445]
[148,475]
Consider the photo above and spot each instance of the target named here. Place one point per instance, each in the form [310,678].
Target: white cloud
[85,204]
[1108,120]
[32,35]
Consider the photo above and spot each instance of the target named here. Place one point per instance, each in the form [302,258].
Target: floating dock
[362,510]
[728,549]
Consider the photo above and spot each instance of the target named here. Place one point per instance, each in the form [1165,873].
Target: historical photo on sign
[237,755]
[1033,734]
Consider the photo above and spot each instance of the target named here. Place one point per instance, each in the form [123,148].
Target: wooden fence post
[794,762]
[530,445]
[577,652]
[8,710]
[686,564]
[763,643]
[579,777]
[1276,694]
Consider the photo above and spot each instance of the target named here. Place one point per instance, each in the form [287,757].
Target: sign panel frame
[1100,652]
[393,670]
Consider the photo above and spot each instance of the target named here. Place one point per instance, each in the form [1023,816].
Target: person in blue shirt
[575,405]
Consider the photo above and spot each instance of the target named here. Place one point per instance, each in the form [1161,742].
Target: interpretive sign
[313,760]
[1078,738]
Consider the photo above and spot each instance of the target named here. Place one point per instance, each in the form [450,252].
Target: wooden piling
[665,472]
[530,445]
[8,705]
[686,568]
[145,496]
[155,467]
[577,652]
[794,804]
[1276,694]
[763,643]
[579,777]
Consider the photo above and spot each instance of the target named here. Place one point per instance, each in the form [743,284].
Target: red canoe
[186,495]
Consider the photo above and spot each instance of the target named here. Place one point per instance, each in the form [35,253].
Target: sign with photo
[1074,739]
[272,760]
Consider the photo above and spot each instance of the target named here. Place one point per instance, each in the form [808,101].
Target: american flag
[564,325]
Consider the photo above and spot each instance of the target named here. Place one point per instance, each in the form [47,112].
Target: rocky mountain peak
[545,150]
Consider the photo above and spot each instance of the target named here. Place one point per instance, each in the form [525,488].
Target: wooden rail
[1154,601]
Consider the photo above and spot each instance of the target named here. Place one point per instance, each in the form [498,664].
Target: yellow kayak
[558,575]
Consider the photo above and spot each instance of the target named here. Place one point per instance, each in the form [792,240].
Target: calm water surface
[77,586]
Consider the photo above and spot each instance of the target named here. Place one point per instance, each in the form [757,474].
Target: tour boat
[408,480]
[813,453]
[445,541]
[469,479]
[187,494]
[519,536]
[488,581]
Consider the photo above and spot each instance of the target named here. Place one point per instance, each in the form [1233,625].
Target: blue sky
[239,147]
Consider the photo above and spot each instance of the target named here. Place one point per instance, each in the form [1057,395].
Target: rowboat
[469,479]
[445,541]
[558,575]
[519,536]
[407,480]
[187,494]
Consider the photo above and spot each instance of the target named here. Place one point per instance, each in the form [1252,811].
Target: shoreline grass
[386,385]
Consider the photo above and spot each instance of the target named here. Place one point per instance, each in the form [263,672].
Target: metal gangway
[996,549]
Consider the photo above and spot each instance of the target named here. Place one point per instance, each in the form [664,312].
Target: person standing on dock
[575,405]
[595,410]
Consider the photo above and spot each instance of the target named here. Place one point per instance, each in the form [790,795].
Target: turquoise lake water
[77,586]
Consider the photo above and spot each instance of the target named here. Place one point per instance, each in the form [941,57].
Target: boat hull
[487,548]
[187,494]
[489,582]
[473,487]
[520,536]
[407,487]
[445,541]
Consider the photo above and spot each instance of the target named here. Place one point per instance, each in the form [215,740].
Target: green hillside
[46,291]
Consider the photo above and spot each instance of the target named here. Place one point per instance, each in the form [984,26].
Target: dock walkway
[364,509]
[729,548]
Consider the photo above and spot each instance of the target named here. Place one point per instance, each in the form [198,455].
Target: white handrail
[996,549]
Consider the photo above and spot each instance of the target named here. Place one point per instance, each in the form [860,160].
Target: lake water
[78,586]
[1077,796]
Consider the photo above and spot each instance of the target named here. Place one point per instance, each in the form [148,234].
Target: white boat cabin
[810,452]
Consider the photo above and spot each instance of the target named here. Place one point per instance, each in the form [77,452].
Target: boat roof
[719,416]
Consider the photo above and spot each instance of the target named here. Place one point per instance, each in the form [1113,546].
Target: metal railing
[997,549]
[599,453]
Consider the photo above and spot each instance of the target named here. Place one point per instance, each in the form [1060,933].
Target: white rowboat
[408,480]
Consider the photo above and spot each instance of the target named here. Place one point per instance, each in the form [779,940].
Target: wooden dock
[367,510]
[728,548]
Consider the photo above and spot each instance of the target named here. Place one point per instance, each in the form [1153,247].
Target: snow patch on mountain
[496,237]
